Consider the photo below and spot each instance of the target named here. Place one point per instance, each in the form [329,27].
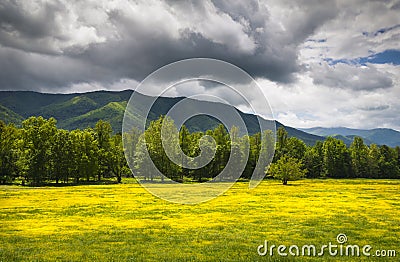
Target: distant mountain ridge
[82,110]
[380,136]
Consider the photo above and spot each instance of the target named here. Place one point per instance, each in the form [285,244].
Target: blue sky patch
[385,57]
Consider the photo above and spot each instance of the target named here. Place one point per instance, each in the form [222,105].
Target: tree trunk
[285,182]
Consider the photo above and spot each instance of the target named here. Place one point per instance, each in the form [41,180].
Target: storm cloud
[311,58]
[54,44]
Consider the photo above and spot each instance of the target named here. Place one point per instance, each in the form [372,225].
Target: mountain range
[82,110]
[380,136]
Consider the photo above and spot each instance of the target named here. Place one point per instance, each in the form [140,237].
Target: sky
[319,63]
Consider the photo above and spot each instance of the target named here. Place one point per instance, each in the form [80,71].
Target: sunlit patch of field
[126,223]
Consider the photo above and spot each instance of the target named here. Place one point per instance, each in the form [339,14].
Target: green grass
[126,223]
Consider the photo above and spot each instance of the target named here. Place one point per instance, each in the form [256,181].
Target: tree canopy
[287,169]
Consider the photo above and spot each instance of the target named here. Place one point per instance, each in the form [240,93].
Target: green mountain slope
[9,116]
[74,107]
[85,109]
[27,103]
[113,112]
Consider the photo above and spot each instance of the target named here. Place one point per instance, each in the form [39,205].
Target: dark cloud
[54,45]
[29,30]
[249,10]
[21,71]
[141,50]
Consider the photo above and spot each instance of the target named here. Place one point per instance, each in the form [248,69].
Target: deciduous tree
[287,169]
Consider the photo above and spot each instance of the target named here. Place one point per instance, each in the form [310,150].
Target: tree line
[38,152]
[333,159]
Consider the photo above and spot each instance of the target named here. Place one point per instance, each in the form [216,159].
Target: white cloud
[348,76]
[219,27]
[306,104]
[344,38]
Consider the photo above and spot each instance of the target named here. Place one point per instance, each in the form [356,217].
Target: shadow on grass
[53,184]
[242,180]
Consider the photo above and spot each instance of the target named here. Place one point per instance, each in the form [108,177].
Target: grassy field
[126,223]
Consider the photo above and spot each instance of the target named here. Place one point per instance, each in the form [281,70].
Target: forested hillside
[79,111]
